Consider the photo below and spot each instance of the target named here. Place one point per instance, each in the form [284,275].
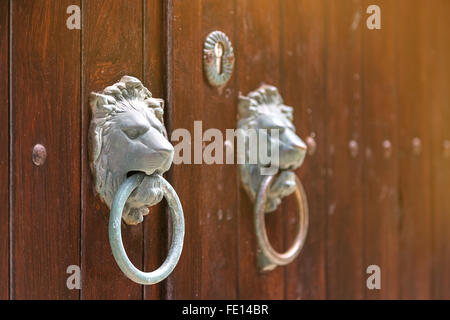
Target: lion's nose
[295,140]
[166,155]
[162,145]
[293,151]
[166,151]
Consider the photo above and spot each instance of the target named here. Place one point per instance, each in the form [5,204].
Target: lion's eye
[134,133]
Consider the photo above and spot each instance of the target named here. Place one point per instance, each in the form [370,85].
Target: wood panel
[45,94]
[155,227]
[185,104]
[415,25]
[439,103]
[258,30]
[219,189]
[208,268]
[112,35]
[303,86]
[4,151]
[378,88]
[381,225]
[344,115]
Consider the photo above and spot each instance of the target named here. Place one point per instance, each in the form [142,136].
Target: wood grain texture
[220,187]
[155,226]
[208,269]
[46,109]
[381,225]
[345,82]
[185,107]
[345,270]
[415,25]
[112,47]
[440,112]
[4,151]
[303,85]
[258,29]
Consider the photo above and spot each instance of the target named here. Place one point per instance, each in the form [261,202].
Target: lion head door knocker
[218,59]
[129,152]
[263,117]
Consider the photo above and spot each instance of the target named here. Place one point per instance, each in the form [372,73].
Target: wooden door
[374,106]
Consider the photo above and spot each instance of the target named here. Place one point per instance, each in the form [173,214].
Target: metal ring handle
[268,251]
[115,233]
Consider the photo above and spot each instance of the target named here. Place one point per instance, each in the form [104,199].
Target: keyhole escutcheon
[218,59]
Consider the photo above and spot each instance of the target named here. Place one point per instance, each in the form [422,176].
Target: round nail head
[39,155]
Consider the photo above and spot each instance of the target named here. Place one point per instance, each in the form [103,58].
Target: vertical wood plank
[440,103]
[345,272]
[112,47]
[258,61]
[185,107]
[4,151]
[416,24]
[208,267]
[45,109]
[219,193]
[303,85]
[381,236]
[155,227]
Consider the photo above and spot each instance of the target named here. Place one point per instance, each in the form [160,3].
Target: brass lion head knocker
[129,152]
[262,112]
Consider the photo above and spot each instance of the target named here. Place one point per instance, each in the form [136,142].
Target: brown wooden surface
[344,116]
[440,112]
[4,151]
[258,28]
[45,97]
[155,227]
[303,86]
[112,47]
[381,222]
[345,83]
[186,107]
[218,192]
[208,265]
[415,25]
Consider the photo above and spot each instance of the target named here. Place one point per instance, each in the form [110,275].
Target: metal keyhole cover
[127,135]
[218,59]
[260,111]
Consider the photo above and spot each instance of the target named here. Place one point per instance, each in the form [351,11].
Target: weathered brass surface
[263,110]
[218,59]
[127,135]
[129,152]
